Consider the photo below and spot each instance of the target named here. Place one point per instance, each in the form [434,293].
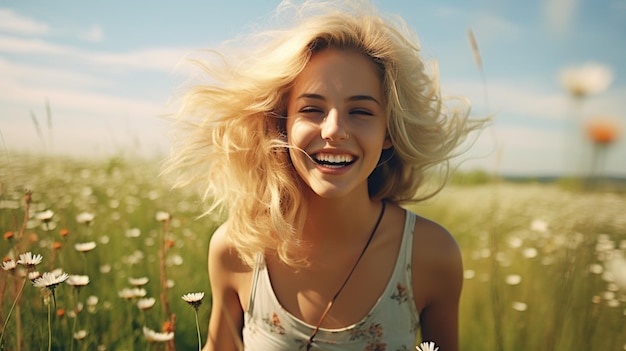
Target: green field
[545,264]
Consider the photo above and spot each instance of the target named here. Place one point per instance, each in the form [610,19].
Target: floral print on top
[391,325]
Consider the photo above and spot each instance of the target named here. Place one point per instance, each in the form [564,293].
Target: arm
[226,321]
[439,279]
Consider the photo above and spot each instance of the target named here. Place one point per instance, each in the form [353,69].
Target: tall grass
[550,267]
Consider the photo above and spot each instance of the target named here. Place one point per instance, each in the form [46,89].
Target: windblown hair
[229,131]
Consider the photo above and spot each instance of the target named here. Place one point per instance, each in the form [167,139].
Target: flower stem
[198,330]
[49,329]
[19,293]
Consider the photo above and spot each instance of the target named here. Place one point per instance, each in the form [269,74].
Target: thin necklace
[309,343]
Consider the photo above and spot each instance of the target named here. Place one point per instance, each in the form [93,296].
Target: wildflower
[616,268]
[138,281]
[519,306]
[85,247]
[9,265]
[56,245]
[162,216]
[92,300]
[129,294]
[539,225]
[153,336]
[81,334]
[45,216]
[8,235]
[29,260]
[105,268]
[513,279]
[85,218]
[64,232]
[603,131]
[60,312]
[167,327]
[586,80]
[133,233]
[169,243]
[427,346]
[77,280]
[50,280]
[194,299]
[33,275]
[530,252]
[146,303]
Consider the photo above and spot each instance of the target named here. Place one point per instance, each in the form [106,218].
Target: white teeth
[333,158]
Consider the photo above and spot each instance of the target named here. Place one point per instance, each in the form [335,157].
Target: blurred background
[91,79]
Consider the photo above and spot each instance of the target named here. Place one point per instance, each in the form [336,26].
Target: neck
[339,221]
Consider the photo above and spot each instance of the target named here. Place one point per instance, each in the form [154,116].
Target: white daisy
[162,216]
[153,336]
[9,265]
[427,346]
[81,334]
[33,275]
[85,217]
[45,216]
[50,280]
[77,280]
[128,294]
[85,247]
[194,299]
[138,281]
[29,260]
[146,303]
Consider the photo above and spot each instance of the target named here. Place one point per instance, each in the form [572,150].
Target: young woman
[311,142]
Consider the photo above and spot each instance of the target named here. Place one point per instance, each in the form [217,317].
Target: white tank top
[390,325]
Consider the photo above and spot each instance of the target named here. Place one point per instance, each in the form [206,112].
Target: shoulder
[225,264]
[437,262]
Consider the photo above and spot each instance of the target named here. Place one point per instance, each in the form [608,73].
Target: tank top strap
[259,261]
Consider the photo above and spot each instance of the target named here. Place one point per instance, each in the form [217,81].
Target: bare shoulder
[224,260]
[433,239]
[437,262]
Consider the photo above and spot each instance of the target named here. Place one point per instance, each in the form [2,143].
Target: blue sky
[107,70]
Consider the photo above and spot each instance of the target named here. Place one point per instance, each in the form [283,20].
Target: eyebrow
[351,98]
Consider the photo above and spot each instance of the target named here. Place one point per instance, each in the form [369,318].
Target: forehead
[345,72]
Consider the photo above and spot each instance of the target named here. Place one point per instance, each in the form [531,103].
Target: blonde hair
[228,131]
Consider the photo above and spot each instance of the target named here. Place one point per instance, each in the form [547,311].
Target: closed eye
[363,112]
[310,110]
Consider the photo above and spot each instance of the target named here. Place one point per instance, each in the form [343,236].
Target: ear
[387,143]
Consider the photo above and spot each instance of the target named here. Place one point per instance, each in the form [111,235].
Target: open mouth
[333,160]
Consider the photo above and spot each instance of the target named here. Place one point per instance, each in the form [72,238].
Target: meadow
[545,264]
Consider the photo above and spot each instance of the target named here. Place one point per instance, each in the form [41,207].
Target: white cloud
[159,59]
[510,98]
[486,25]
[94,34]
[17,73]
[15,23]
[560,14]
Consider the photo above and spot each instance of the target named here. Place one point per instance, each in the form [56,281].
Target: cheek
[300,132]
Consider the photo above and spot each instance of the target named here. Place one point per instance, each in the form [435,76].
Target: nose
[333,127]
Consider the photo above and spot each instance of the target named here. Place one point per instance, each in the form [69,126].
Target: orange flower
[64,232]
[170,243]
[168,327]
[603,130]
[8,235]
[60,312]
[56,245]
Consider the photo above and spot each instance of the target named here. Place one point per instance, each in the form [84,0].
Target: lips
[333,160]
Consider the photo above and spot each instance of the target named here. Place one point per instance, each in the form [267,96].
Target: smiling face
[336,122]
